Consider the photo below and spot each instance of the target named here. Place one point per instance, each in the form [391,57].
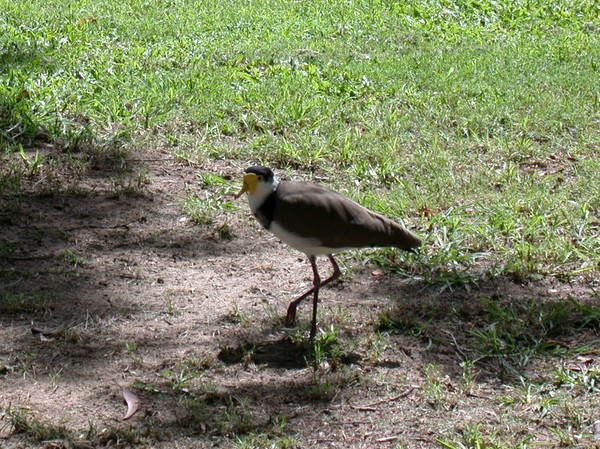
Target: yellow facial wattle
[249,184]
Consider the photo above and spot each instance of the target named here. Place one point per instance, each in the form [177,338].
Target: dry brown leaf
[43,336]
[427,212]
[132,401]
[85,20]
[584,359]
[23,94]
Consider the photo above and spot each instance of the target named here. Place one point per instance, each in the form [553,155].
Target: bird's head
[258,180]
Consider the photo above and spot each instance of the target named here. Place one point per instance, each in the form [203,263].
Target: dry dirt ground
[129,293]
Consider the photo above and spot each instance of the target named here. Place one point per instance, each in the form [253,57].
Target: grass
[496,331]
[473,436]
[14,303]
[428,108]
[477,123]
[22,421]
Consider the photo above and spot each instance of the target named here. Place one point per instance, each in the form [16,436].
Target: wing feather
[311,210]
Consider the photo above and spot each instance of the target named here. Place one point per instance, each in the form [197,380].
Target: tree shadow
[495,323]
[72,260]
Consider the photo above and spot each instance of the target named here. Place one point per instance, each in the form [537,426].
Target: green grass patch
[23,303]
[476,436]
[22,421]
[480,120]
[214,201]
[499,332]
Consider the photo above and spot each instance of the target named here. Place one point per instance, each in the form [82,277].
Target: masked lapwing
[318,222]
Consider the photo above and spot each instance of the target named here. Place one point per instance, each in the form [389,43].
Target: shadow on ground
[104,279]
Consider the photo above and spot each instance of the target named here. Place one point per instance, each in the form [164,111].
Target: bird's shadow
[283,353]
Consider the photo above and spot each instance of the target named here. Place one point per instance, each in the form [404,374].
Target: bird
[317,221]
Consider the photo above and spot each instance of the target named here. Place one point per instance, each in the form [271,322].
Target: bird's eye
[260,177]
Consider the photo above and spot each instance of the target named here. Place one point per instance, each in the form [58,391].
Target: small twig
[456,345]
[349,423]
[479,396]
[162,159]
[11,284]
[364,408]
[94,226]
[370,407]
[386,439]
[24,258]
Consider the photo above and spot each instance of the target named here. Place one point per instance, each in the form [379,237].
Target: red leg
[291,313]
[317,285]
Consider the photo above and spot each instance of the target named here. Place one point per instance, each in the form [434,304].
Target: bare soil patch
[128,293]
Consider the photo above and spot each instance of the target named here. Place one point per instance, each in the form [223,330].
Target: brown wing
[311,210]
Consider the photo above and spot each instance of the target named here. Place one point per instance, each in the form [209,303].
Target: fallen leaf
[584,359]
[85,20]
[23,94]
[427,211]
[133,403]
[43,336]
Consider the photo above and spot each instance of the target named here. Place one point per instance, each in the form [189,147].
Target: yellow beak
[249,184]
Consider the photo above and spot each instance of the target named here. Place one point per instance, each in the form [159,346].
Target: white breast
[311,246]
